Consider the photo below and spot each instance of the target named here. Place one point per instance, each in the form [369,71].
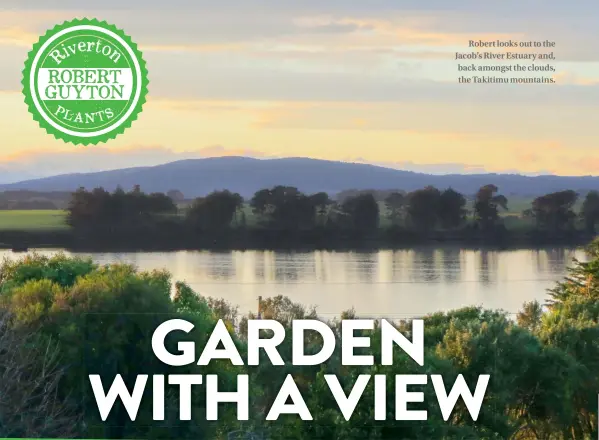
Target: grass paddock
[32,220]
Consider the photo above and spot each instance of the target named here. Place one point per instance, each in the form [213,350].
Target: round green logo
[85,81]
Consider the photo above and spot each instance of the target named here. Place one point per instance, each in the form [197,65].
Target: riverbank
[262,239]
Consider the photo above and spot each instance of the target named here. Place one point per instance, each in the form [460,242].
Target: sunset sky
[364,81]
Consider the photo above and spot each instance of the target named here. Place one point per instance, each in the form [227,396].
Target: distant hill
[8,174]
[244,175]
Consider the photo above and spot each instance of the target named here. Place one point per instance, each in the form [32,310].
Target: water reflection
[487,269]
[388,283]
[225,269]
[451,262]
[424,265]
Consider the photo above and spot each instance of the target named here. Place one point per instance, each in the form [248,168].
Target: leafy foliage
[487,204]
[216,211]
[362,212]
[590,210]
[101,210]
[423,207]
[554,211]
[99,320]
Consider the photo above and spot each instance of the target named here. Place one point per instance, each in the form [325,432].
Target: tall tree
[363,212]
[214,212]
[423,208]
[590,211]
[554,211]
[451,209]
[487,204]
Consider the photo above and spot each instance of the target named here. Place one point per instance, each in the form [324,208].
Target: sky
[372,82]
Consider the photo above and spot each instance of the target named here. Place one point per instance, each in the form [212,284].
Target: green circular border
[71,138]
[107,123]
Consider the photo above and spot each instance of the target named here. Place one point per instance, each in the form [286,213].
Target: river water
[392,284]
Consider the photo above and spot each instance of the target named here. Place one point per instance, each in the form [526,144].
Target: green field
[32,219]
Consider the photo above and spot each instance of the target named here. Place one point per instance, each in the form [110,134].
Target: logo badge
[85,81]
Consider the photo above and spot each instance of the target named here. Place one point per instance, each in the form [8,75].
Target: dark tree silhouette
[362,211]
[286,208]
[423,206]
[101,210]
[317,218]
[554,211]
[451,209]
[486,206]
[216,211]
[590,211]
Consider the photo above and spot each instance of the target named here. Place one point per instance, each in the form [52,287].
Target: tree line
[65,318]
[284,209]
[33,200]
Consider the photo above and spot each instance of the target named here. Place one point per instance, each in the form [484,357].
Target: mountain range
[197,177]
